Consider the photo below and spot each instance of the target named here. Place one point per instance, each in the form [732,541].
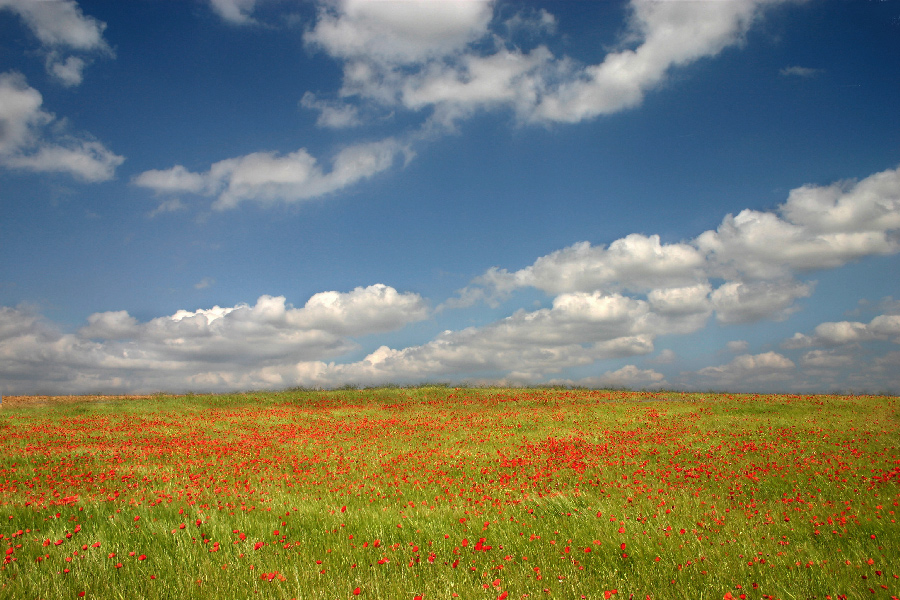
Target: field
[436,492]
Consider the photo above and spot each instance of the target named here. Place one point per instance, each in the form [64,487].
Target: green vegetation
[437,492]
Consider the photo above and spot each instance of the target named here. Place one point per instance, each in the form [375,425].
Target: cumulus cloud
[757,254]
[635,263]
[629,376]
[447,60]
[274,344]
[445,56]
[26,141]
[482,354]
[62,27]
[665,357]
[579,329]
[841,333]
[749,369]
[740,302]
[667,35]
[819,227]
[826,359]
[268,177]
[399,32]
[217,348]
[361,311]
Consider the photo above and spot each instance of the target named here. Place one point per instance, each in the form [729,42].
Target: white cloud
[870,205]
[70,71]
[219,348]
[87,160]
[267,178]
[629,376]
[399,32]
[668,34]
[634,263]
[61,25]
[332,114]
[111,325]
[506,78]
[167,206]
[442,55]
[531,22]
[690,300]
[361,311]
[825,359]
[840,333]
[737,346]
[274,344]
[21,116]
[756,253]
[26,143]
[749,369]
[665,357]
[234,11]
[480,354]
[739,302]
[822,227]
[578,330]
[172,181]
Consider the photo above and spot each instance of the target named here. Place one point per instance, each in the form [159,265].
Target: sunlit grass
[442,493]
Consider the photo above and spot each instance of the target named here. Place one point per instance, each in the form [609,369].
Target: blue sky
[239,194]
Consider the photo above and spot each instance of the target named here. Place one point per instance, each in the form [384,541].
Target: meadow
[439,493]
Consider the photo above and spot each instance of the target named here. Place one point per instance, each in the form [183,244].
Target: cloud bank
[219,348]
[609,303]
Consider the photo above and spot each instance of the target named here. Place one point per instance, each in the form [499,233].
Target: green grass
[766,496]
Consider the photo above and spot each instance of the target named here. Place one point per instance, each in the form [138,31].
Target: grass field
[438,492]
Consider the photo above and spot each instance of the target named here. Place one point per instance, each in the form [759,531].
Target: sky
[230,195]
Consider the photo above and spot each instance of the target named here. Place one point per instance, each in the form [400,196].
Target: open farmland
[438,492]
